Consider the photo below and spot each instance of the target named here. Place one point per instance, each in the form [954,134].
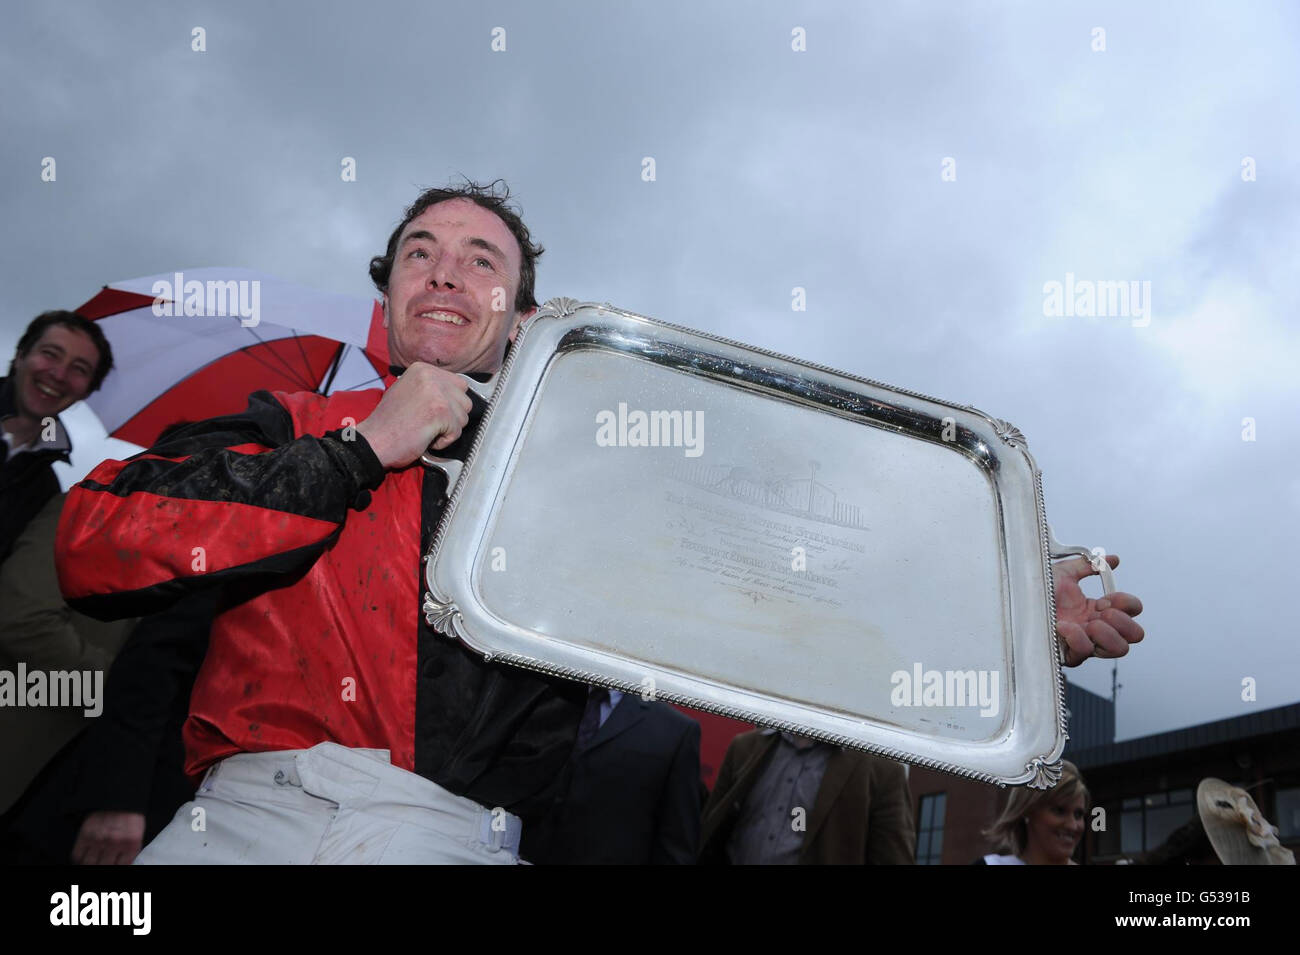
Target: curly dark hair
[495,197]
[78,323]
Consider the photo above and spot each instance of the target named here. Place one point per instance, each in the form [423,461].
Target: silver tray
[667,513]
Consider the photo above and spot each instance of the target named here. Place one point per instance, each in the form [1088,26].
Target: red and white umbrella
[176,358]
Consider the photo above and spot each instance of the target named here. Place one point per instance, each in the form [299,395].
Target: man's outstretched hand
[1087,627]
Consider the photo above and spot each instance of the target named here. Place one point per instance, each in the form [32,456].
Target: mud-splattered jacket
[320,635]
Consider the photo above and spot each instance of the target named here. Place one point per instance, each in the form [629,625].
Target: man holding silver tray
[332,723]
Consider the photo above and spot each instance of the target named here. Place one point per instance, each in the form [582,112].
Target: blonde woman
[1041,826]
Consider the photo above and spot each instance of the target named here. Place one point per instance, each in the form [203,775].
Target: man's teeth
[441,316]
[48,391]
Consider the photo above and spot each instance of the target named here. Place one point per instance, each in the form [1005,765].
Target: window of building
[1107,839]
[929,838]
[1147,821]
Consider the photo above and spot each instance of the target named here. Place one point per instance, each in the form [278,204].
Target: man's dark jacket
[863,813]
[131,758]
[631,796]
[27,482]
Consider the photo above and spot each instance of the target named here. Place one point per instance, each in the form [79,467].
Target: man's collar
[62,440]
[61,444]
[8,406]
[480,376]
[395,372]
[791,739]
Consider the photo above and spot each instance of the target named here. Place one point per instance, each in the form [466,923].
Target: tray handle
[450,466]
[1096,557]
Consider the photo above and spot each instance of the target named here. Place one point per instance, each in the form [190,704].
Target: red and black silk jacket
[319,634]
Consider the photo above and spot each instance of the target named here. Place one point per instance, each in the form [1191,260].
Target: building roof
[1092,719]
[1275,720]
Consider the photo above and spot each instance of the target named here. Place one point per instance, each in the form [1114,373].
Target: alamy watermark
[75,907]
[1103,299]
[946,688]
[652,429]
[237,298]
[54,688]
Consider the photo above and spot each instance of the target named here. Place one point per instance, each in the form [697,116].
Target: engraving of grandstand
[800,497]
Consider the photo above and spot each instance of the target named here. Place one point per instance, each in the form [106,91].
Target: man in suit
[631,792]
[781,798]
[40,633]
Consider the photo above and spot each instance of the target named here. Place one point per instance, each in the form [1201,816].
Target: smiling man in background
[61,358]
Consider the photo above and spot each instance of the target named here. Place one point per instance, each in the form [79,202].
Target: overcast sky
[822,168]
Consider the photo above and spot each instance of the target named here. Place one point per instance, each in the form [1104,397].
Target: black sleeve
[145,701]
